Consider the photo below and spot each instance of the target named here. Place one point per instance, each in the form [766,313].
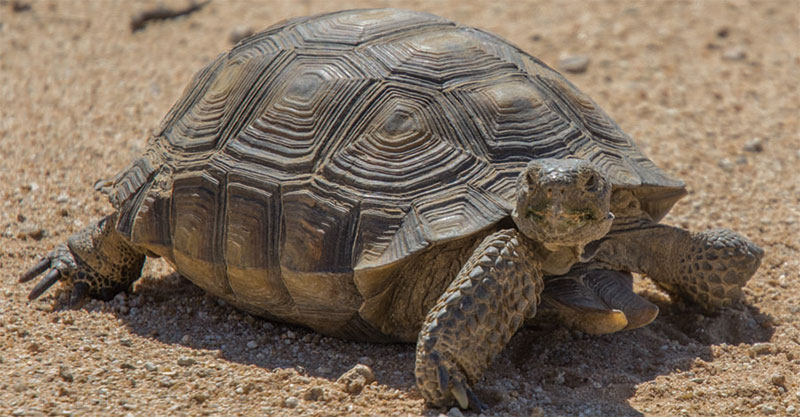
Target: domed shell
[321,153]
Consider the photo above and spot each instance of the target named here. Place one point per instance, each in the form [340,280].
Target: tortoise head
[563,203]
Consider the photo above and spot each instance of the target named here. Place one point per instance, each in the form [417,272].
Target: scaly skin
[95,262]
[474,319]
[709,268]
[561,205]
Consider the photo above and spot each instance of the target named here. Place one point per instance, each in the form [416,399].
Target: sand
[709,89]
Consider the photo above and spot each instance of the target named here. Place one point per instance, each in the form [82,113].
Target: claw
[444,377]
[79,292]
[34,272]
[460,393]
[46,282]
[475,403]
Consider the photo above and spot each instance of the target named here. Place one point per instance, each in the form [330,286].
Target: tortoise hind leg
[474,319]
[97,262]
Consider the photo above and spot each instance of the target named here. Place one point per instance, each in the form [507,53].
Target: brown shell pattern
[349,142]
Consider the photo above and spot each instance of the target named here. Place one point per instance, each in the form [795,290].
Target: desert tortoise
[391,175]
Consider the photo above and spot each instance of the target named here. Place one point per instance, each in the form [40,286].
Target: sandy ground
[709,89]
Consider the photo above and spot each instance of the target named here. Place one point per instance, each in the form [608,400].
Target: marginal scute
[373,236]
[251,246]
[196,230]
[131,179]
[318,230]
[152,223]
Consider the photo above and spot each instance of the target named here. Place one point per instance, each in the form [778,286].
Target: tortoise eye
[532,176]
[536,216]
[591,183]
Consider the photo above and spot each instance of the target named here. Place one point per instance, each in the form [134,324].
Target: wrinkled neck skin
[556,259]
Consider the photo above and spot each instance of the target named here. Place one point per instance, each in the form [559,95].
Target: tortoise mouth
[578,228]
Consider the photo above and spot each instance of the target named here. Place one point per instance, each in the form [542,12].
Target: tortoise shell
[301,169]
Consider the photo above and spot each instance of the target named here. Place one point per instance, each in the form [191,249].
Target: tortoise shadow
[547,366]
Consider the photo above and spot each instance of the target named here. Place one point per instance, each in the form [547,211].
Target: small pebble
[199,397]
[125,342]
[777,379]
[65,374]
[768,409]
[760,349]
[166,382]
[186,361]
[186,339]
[356,378]
[150,367]
[537,412]
[736,53]
[575,64]
[32,231]
[62,198]
[252,344]
[291,402]
[366,360]
[455,412]
[726,164]
[754,145]
[30,187]
[18,6]
[790,409]
[314,394]
[239,32]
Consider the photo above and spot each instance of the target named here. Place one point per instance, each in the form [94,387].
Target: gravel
[80,93]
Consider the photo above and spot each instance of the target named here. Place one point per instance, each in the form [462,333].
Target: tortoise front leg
[709,267]
[474,319]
